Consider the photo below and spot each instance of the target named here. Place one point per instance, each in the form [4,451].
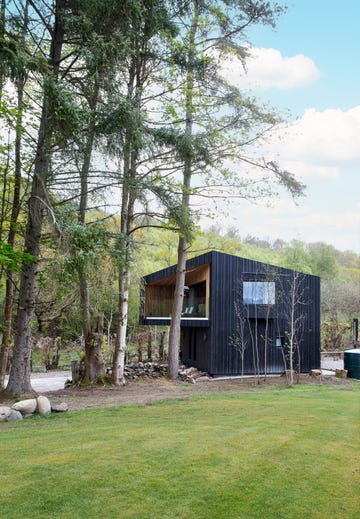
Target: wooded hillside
[58,313]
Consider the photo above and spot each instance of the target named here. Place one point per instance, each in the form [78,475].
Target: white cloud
[321,148]
[267,68]
[305,171]
[287,221]
[331,135]
[319,142]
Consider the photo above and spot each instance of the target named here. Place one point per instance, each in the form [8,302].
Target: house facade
[240,317]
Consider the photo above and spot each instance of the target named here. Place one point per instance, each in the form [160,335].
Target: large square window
[258,293]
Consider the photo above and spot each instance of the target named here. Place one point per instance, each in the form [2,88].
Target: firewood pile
[192,375]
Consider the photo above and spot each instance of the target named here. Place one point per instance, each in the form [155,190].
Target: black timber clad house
[227,300]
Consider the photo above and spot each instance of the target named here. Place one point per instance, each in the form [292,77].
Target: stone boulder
[59,408]
[4,413]
[14,416]
[43,406]
[26,406]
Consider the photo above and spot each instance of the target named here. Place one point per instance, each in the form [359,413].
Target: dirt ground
[147,391]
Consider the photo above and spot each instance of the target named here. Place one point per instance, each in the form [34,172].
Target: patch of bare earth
[147,391]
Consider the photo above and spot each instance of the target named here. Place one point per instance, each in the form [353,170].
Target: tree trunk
[94,367]
[175,326]
[120,341]
[93,361]
[139,350]
[15,210]
[19,379]
[149,346]
[129,195]
[6,337]
[162,346]
[292,329]
[124,269]
[2,32]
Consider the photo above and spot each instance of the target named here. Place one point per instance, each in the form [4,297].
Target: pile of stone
[192,375]
[145,370]
[27,408]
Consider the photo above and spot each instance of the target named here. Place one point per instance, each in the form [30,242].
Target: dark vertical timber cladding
[227,274]
[195,347]
[310,352]
[224,274]
[224,286]
[210,343]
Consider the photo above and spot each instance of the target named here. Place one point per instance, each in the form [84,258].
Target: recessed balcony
[159,296]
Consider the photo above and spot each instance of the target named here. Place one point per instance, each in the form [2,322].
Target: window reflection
[258,293]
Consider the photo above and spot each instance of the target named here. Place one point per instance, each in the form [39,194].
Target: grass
[280,454]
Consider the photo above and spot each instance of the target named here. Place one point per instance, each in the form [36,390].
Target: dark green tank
[352,363]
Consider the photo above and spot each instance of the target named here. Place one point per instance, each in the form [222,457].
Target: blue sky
[309,68]
[327,31]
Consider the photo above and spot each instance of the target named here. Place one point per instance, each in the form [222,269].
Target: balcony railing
[161,308]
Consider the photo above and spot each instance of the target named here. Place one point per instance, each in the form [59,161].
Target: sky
[308,69]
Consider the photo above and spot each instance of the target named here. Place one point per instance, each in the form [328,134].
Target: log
[315,372]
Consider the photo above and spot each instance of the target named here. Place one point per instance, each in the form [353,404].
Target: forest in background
[57,323]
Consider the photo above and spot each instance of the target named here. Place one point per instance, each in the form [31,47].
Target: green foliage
[296,257]
[82,244]
[323,260]
[12,259]
[63,109]
[335,335]
[87,240]
[7,113]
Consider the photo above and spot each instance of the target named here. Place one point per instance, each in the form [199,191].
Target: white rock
[60,408]
[188,371]
[4,413]
[43,405]
[26,406]
[14,416]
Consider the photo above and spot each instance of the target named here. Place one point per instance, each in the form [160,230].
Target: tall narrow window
[258,293]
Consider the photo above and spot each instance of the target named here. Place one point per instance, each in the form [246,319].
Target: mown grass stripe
[277,454]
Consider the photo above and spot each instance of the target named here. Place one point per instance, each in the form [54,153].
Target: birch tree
[100,54]
[294,300]
[139,148]
[239,340]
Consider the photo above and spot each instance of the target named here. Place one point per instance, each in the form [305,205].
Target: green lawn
[291,453]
